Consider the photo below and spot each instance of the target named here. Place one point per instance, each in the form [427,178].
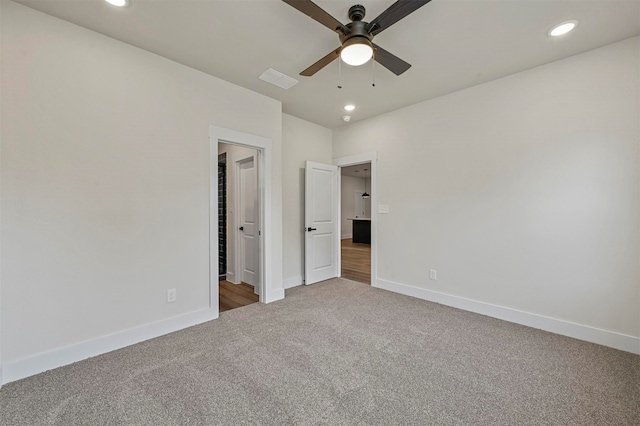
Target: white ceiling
[452,44]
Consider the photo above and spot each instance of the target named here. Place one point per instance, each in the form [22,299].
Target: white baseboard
[292,282]
[57,358]
[577,331]
[274,295]
[346,236]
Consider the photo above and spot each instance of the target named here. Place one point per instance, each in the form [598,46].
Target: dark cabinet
[362,231]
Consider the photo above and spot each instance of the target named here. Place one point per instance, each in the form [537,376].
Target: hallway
[356,261]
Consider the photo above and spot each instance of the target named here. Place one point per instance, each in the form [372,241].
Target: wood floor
[356,266]
[356,261]
[235,295]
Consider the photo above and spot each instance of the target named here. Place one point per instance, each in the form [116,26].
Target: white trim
[237,263]
[214,272]
[346,236]
[566,328]
[273,296]
[57,358]
[349,160]
[264,180]
[367,157]
[264,147]
[231,278]
[292,282]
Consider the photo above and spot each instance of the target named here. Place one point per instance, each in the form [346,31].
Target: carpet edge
[598,336]
[49,360]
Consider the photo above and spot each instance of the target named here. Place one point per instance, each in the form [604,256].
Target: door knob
[241,228]
[311,229]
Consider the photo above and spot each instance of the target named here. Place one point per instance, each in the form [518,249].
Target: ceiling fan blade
[393,14]
[390,61]
[314,11]
[321,63]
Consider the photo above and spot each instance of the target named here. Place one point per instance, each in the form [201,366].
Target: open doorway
[322,224]
[355,222]
[238,227]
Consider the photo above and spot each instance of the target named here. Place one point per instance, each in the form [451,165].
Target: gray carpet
[339,353]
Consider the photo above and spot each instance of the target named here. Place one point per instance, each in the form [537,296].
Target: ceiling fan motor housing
[355,29]
[357,12]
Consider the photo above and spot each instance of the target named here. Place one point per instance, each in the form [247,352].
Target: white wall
[301,141]
[105,183]
[522,192]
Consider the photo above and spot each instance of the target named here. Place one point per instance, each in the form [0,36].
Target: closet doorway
[238,230]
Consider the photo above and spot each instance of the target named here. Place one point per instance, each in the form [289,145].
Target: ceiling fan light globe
[357,52]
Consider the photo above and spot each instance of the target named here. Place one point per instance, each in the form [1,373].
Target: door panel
[248,197]
[322,253]
[321,222]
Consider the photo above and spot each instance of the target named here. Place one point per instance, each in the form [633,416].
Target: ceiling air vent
[278,79]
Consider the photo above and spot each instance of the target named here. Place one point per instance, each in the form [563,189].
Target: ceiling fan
[356,37]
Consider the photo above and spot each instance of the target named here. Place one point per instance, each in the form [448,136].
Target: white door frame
[352,160]
[263,146]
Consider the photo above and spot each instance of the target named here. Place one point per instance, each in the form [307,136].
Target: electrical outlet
[171,295]
[433,274]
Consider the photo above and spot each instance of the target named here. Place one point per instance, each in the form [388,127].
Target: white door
[321,222]
[248,221]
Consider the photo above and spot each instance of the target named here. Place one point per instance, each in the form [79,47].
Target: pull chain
[339,72]
[373,72]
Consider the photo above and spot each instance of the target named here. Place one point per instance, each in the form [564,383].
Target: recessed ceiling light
[349,107]
[119,3]
[346,117]
[563,28]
